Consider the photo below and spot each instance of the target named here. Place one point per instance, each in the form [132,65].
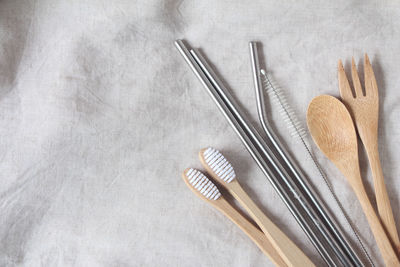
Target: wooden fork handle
[290,253]
[382,197]
[251,231]
[385,247]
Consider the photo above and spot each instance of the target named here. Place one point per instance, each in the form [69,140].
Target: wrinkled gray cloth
[99,115]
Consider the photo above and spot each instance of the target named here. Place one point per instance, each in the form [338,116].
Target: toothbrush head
[217,164]
[200,184]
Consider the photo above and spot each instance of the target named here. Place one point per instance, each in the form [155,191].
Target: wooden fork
[364,109]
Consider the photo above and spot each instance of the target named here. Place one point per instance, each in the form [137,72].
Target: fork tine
[356,79]
[344,86]
[371,88]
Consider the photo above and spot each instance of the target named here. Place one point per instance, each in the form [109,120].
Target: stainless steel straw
[257,148]
[290,163]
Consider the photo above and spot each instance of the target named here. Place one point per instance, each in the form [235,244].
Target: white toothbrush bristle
[219,164]
[202,184]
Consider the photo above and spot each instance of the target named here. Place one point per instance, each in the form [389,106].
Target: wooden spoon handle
[251,231]
[290,253]
[387,251]
[382,197]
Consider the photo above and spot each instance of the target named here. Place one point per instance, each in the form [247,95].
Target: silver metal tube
[317,203]
[250,146]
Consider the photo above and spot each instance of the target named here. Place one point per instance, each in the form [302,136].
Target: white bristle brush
[222,171]
[296,129]
[205,189]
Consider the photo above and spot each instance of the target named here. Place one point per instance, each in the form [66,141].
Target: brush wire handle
[291,254]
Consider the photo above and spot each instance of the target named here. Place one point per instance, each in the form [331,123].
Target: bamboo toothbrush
[222,171]
[208,191]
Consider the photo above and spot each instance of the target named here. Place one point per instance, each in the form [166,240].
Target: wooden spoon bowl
[333,131]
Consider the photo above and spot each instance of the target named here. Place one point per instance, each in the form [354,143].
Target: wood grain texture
[364,109]
[290,253]
[247,227]
[332,129]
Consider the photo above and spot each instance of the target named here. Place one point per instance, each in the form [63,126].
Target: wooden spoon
[333,131]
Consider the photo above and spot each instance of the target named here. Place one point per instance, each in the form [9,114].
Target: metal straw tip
[178,42]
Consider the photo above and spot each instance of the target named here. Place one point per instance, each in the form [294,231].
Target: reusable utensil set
[332,129]
[285,176]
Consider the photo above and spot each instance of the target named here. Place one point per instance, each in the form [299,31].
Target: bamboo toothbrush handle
[206,190]
[385,247]
[382,197]
[254,233]
[290,253]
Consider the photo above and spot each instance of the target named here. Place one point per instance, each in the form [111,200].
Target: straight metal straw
[298,174]
[250,143]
